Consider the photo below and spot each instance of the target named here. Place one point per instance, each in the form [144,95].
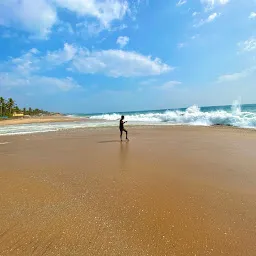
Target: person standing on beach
[121,127]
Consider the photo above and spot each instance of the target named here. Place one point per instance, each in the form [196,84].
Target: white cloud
[194,37]
[248,45]
[195,14]
[105,11]
[168,85]
[181,45]
[24,65]
[114,63]
[118,63]
[36,17]
[223,1]
[181,2]
[34,62]
[122,41]
[231,77]
[65,27]
[34,51]
[212,17]
[236,76]
[209,19]
[252,15]
[210,4]
[25,70]
[85,29]
[61,56]
[63,84]
[45,83]
[148,81]
[10,80]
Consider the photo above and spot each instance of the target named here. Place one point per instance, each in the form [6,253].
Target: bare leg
[126,134]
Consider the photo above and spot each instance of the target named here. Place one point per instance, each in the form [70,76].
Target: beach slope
[169,191]
[38,119]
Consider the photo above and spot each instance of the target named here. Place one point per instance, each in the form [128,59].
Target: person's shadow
[108,141]
[123,154]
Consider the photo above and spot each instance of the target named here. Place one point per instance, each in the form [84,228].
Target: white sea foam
[191,116]
[48,127]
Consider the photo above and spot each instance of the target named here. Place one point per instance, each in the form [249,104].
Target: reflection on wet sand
[124,151]
[171,191]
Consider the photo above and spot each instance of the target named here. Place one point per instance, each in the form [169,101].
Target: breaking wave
[191,116]
[235,115]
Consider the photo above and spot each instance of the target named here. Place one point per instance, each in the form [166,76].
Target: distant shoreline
[39,119]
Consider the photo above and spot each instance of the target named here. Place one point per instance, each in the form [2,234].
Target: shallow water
[236,115]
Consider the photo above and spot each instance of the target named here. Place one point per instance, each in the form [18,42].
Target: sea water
[243,116]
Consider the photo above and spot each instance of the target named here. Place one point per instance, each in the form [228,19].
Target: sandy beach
[169,191]
[42,119]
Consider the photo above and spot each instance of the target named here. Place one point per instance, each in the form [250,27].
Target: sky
[94,56]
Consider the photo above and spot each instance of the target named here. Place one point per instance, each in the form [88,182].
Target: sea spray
[236,107]
[237,115]
[229,115]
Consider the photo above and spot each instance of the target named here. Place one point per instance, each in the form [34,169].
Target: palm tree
[16,109]
[10,105]
[7,107]
[2,101]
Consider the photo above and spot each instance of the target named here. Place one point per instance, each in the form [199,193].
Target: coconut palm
[16,109]
[2,102]
[10,104]
[7,107]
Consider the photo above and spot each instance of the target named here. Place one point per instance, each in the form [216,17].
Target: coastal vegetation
[8,108]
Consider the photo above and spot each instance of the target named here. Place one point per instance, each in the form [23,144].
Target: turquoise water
[243,116]
[228,108]
[237,115]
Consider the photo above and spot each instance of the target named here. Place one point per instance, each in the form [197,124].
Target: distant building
[18,114]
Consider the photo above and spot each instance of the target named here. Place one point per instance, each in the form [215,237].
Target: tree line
[8,107]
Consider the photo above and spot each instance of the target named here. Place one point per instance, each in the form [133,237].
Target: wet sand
[169,191]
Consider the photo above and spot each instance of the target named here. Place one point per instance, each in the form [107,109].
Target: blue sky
[119,55]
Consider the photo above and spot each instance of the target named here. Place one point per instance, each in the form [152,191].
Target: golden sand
[169,191]
[42,119]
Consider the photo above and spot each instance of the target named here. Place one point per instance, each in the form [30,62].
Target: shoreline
[133,126]
[43,119]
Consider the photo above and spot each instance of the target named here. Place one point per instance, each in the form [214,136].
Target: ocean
[236,115]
